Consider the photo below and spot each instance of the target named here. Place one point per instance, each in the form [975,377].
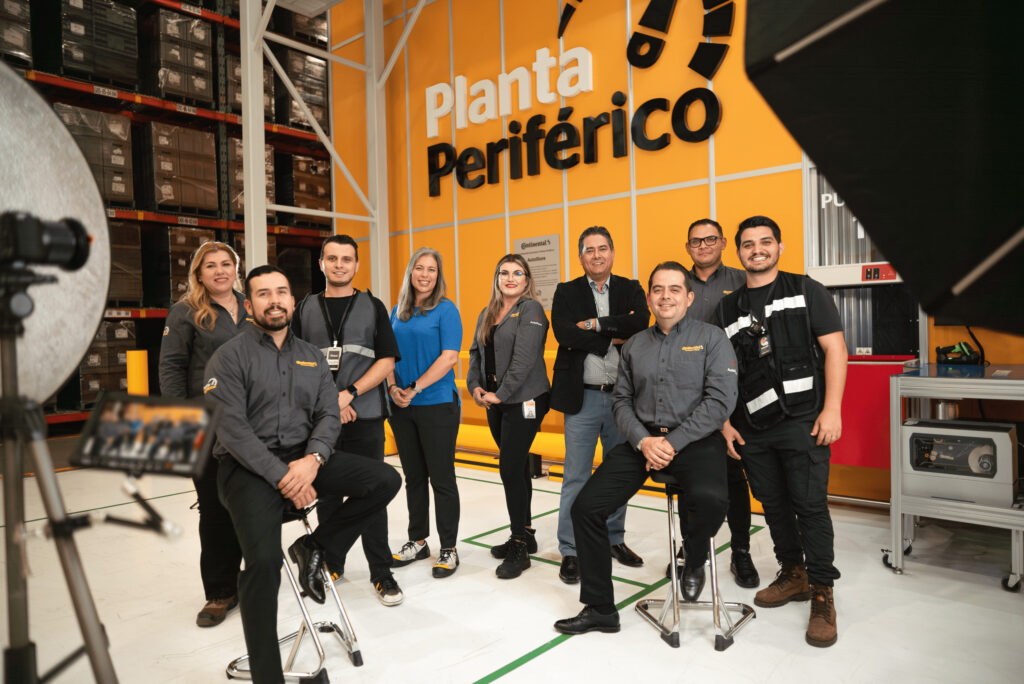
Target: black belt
[657,429]
[607,387]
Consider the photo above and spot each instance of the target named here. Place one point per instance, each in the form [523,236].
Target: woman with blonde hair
[507,377]
[209,314]
[425,413]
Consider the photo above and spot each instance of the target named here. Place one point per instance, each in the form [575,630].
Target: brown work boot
[215,610]
[790,585]
[821,629]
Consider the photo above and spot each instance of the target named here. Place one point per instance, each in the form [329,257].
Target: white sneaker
[410,552]
[446,563]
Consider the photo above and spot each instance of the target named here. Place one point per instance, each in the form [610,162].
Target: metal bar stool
[668,621]
[345,633]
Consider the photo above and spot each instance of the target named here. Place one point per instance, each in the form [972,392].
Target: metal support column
[253,170]
[377,148]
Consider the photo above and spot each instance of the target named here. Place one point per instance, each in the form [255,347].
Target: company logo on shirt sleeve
[210,385]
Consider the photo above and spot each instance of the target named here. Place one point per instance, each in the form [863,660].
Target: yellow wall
[646,199]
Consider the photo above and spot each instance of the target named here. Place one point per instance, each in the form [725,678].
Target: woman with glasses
[507,377]
[425,413]
[209,314]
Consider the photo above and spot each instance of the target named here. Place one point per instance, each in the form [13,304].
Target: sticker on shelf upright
[105,92]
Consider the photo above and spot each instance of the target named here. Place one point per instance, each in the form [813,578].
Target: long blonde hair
[497,301]
[197,296]
[407,295]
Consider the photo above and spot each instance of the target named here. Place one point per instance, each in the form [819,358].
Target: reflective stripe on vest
[358,349]
[759,402]
[798,385]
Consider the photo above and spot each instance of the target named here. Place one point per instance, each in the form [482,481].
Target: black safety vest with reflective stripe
[357,352]
[788,381]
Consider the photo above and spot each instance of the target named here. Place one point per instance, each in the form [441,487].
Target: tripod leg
[19,657]
[78,587]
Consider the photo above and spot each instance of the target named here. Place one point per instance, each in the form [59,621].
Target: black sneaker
[517,560]
[742,567]
[388,590]
[501,550]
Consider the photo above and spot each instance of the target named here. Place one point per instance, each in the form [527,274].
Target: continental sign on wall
[573,138]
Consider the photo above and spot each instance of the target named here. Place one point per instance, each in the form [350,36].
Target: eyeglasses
[507,276]
[710,241]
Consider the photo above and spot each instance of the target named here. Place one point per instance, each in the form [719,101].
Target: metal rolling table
[932,381]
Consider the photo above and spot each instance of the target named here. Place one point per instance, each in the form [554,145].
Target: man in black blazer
[591,316]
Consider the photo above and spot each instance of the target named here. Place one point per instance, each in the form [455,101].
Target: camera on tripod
[28,240]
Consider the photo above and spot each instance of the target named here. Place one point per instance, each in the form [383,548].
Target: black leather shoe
[570,570]
[625,555]
[589,620]
[308,556]
[742,567]
[692,582]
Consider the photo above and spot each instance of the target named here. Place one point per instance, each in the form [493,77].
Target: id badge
[333,356]
[529,409]
[764,347]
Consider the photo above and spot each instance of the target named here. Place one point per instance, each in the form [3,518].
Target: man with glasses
[792,357]
[592,316]
[712,280]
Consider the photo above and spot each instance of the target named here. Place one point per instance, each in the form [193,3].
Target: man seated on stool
[279,420]
[675,388]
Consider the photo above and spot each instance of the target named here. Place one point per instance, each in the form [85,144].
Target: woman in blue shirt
[426,412]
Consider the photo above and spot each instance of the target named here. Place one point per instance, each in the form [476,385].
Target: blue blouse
[421,339]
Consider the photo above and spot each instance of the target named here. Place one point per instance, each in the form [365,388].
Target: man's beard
[272,327]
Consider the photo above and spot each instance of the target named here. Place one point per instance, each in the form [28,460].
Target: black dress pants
[789,475]
[738,516]
[514,436]
[426,436]
[362,439]
[257,508]
[701,472]
[220,555]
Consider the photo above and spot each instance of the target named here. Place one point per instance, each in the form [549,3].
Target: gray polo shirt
[601,370]
[273,401]
[707,294]
[684,381]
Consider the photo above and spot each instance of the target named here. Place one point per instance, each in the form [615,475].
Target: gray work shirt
[601,370]
[684,381]
[518,354]
[185,347]
[707,293]
[272,401]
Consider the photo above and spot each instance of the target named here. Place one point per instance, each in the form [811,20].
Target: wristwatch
[638,444]
[351,389]
[318,457]
[413,387]
[589,325]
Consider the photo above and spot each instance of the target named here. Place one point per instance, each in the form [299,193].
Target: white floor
[946,620]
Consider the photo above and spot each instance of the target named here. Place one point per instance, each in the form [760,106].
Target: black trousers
[426,436]
[514,436]
[220,555]
[362,439]
[257,508]
[700,470]
[738,516]
[789,476]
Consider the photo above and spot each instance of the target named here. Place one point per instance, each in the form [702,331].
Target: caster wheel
[906,551]
[1015,587]
[885,561]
